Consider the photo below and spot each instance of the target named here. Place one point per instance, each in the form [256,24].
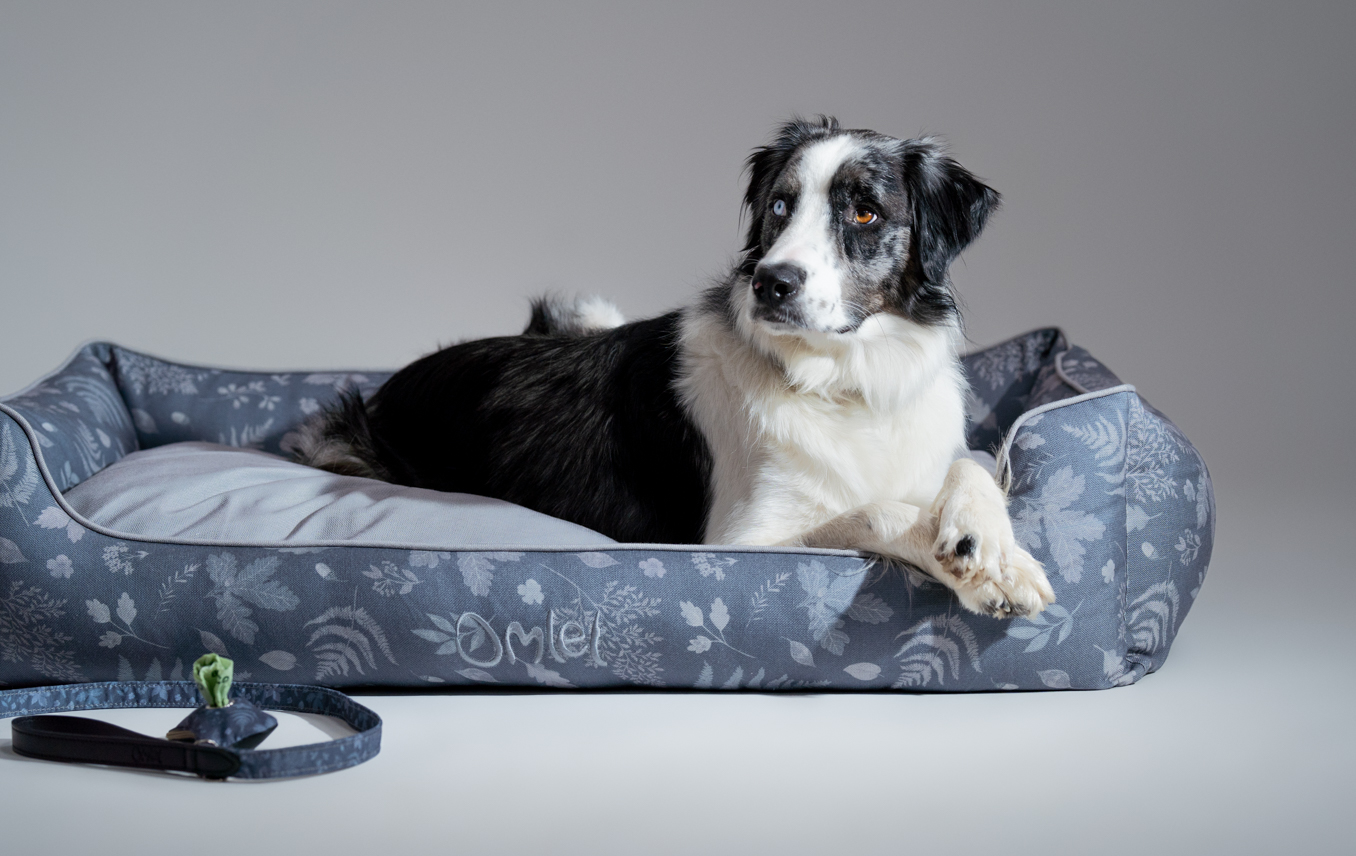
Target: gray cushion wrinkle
[209,491]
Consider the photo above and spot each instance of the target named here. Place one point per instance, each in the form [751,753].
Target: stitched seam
[1125,528]
[257,760]
[121,705]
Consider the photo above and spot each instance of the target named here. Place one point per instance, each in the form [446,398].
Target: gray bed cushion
[205,491]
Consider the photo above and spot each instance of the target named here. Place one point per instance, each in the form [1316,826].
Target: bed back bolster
[1002,380]
[173,402]
[1021,374]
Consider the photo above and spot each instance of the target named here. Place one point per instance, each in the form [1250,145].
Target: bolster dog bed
[359,583]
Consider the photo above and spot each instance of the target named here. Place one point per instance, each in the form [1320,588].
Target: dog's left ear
[949,206]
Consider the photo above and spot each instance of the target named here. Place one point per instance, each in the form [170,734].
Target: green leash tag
[213,675]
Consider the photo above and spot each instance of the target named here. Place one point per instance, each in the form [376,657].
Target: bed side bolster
[1066,462]
[1170,528]
[76,417]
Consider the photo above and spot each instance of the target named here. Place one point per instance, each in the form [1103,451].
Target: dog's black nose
[774,284]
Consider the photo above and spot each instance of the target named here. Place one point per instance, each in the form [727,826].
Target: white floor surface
[1242,743]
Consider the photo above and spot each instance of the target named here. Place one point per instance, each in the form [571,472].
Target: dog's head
[847,224]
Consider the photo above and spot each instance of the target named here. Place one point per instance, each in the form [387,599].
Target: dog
[813,397]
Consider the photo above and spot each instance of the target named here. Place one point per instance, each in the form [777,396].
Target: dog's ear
[949,206]
[764,165]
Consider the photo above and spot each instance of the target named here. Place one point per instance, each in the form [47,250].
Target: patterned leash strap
[81,740]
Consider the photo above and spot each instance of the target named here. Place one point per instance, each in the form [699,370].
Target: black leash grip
[90,741]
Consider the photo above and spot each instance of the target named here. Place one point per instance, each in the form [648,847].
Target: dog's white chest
[836,455]
[793,447]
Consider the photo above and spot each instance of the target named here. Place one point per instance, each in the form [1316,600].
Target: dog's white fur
[849,440]
[592,312]
[580,315]
[801,431]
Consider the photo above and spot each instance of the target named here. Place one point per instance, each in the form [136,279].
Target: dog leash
[215,741]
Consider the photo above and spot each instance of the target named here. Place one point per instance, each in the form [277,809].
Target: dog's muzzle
[775,287]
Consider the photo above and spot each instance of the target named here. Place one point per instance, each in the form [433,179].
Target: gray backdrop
[312,185]
[329,184]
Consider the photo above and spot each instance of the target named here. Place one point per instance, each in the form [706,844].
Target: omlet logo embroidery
[562,640]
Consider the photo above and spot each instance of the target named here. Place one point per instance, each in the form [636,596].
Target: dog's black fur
[588,427]
[584,428]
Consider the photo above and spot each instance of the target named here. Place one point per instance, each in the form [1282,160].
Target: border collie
[814,397]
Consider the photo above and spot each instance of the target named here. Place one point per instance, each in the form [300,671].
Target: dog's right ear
[764,165]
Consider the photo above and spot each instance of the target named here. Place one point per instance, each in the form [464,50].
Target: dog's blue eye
[779,208]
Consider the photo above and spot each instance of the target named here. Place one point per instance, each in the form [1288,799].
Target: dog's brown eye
[865,216]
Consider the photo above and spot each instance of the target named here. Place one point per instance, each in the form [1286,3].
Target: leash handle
[89,741]
[76,739]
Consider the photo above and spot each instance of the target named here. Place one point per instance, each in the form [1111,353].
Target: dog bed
[1105,491]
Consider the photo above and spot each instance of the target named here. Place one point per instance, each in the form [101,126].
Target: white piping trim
[65,506]
[1060,373]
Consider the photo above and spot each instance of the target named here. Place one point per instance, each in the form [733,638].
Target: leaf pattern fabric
[1064,527]
[1105,491]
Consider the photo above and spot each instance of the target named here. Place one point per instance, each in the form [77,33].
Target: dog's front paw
[1015,585]
[981,560]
